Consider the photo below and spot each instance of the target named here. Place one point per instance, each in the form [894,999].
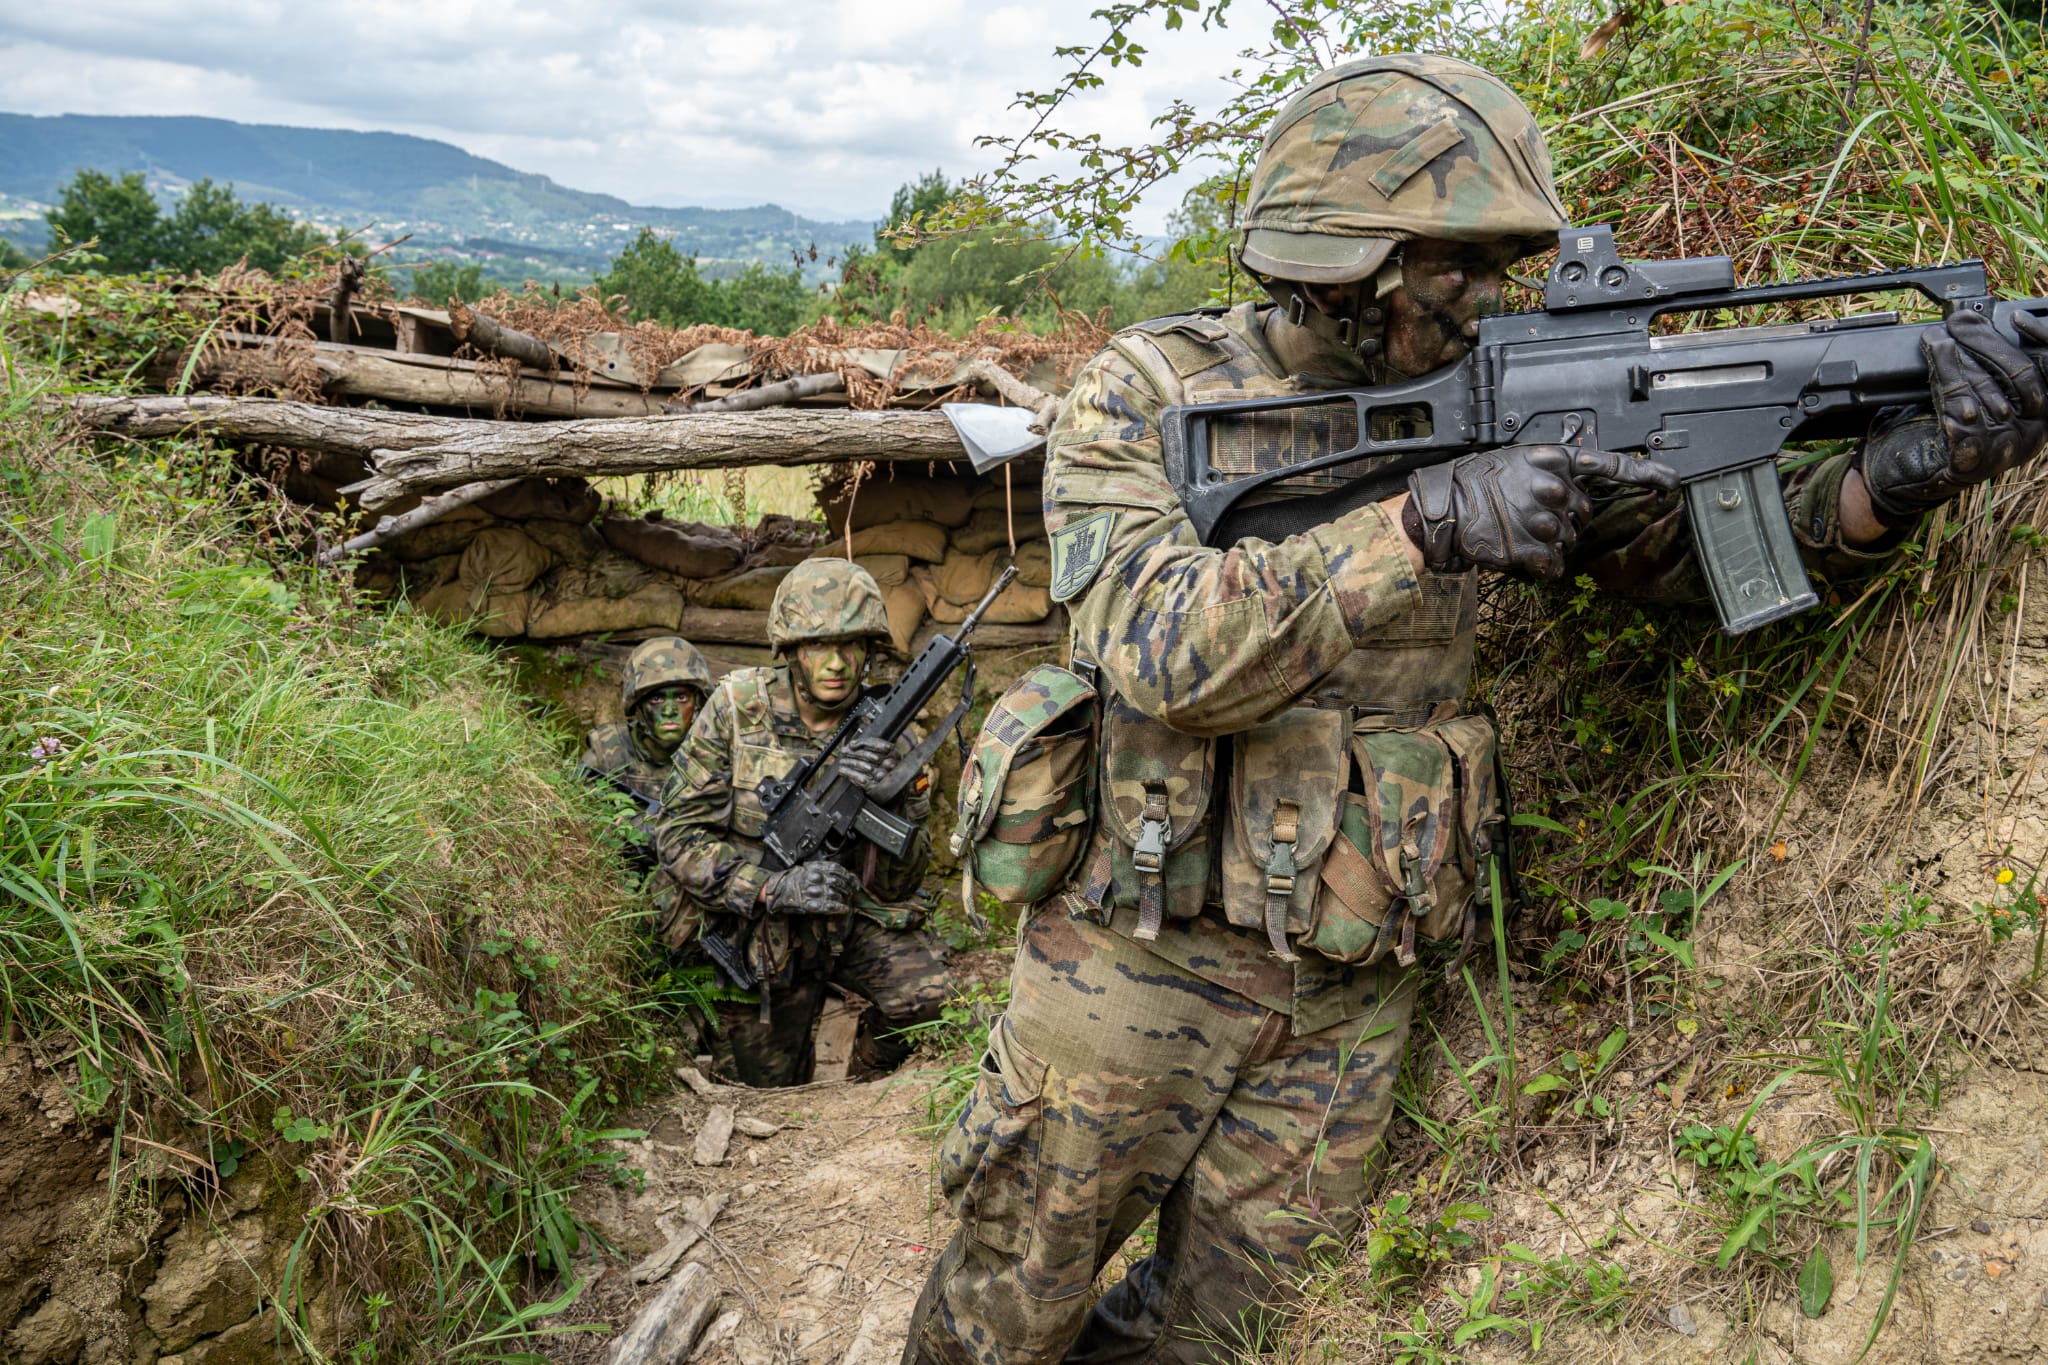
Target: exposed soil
[826,1239]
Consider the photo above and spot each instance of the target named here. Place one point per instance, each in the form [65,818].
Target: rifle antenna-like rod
[995,590]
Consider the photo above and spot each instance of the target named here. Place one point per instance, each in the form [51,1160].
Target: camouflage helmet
[664,661]
[1391,148]
[826,599]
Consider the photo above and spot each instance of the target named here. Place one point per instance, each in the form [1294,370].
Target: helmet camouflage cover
[1391,148]
[664,661]
[826,599]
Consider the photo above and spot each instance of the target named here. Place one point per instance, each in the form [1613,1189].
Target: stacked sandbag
[687,549]
[611,594]
[483,564]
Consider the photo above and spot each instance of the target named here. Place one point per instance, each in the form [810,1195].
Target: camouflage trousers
[1117,1084]
[900,972]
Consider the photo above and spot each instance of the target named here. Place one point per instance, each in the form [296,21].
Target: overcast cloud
[822,107]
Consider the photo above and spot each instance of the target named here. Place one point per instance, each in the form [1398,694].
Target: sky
[822,106]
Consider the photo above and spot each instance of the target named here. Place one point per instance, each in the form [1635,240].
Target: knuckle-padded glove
[813,888]
[865,762]
[1990,414]
[1518,508]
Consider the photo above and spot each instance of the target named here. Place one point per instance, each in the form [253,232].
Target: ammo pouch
[1355,837]
[1028,794]
[1156,811]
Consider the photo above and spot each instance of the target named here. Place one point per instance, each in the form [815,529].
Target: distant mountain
[392,183]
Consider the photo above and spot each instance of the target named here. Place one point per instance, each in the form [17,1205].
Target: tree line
[1009,270]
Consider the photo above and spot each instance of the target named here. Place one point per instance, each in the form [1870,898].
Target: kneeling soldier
[662,691]
[845,921]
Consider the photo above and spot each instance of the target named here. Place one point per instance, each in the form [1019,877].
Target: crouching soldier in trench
[1213,991]
[662,690]
[850,922]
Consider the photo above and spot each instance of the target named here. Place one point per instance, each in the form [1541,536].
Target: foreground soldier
[661,690]
[1207,1020]
[821,922]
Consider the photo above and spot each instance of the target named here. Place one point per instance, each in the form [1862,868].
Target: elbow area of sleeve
[1365,555]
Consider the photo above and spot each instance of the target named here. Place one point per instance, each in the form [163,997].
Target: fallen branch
[667,1328]
[428,512]
[768,395]
[416,453]
[493,337]
[1044,407]
[348,278]
[698,1216]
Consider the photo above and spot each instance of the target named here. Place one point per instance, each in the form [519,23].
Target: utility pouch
[1158,782]
[1405,864]
[1287,781]
[1028,794]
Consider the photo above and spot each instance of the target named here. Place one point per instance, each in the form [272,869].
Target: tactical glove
[814,888]
[1990,415]
[1518,508]
[865,762]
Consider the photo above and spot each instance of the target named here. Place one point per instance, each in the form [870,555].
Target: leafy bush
[209,229]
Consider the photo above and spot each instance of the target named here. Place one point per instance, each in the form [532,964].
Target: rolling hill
[388,183]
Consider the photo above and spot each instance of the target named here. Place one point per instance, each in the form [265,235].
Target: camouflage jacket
[610,755]
[708,836]
[1200,642]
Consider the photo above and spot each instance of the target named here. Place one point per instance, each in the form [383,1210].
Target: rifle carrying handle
[1743,537]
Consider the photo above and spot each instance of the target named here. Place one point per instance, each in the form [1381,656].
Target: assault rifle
[1716,405]
[816,811]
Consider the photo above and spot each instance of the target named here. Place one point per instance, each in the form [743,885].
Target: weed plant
[293,884]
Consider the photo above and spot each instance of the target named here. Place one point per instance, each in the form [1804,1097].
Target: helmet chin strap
[1359,329]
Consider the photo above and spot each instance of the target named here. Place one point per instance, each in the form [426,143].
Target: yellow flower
[2005,876]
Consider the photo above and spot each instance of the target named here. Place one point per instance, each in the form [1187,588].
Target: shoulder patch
[1078,549]
[1202,324]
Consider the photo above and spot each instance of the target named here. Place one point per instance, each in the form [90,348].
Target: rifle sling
[908,767]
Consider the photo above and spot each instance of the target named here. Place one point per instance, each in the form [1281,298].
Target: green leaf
[1744,1233]
[1816,1282]
[1531,820]
[1610,1048]
[1544,1084]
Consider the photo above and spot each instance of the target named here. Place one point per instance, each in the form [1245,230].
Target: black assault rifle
[1716,405]
[815,812]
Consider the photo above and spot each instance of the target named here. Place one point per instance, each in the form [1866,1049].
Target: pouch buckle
[1149,857]
[1280,869]
[1415,902]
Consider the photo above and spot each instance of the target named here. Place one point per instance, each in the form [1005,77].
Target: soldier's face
[830,673]
[1446,287]
[672,710]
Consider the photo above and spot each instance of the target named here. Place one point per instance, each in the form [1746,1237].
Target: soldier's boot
[879,1046]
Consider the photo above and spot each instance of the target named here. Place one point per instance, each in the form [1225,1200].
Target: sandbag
[497,615]
[573,543]
[888,571]
[904,602]
[749,590]
[995,494]
[989,528]
[963,578]
[449,535]
[429,574]
[1016,605]
[918,539]
[563,499]
[942,502]
[687,549]
[1034,564]
[651,606]
[503,559]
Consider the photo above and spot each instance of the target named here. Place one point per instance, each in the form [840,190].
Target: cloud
[827,106]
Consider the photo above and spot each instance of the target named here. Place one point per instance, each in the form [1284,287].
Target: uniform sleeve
[1209,641]
[696,816]
[1640,546]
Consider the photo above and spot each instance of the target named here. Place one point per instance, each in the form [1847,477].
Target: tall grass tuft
[284,879]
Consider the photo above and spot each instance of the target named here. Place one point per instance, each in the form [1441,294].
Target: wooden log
[459,450]
[768,395]
[493,337]
[1044,407]
[428,512]
[708,440]
[667,1328]
[428,380]
[698,1216]
[348,278]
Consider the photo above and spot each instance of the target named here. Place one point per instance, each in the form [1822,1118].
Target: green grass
[291,882]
